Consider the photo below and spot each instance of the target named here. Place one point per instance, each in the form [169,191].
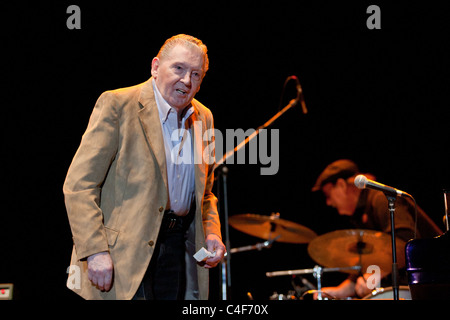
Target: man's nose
[186,79]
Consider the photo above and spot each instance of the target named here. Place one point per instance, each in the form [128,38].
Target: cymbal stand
[317,272]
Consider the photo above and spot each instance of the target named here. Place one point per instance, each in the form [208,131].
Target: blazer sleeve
[86,174]
[211,220]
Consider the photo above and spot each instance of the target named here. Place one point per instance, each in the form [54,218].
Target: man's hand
[361,288]
[342,291]
[214,244]
[100,270]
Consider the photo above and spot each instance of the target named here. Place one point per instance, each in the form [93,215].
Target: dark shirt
[372,213]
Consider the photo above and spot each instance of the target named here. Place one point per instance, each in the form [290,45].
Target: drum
[388,294]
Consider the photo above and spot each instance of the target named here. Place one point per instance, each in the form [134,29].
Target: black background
[375,96]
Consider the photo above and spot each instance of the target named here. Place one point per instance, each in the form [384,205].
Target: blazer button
[161,209]
[151,243]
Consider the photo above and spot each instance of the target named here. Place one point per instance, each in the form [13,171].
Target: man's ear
[341,183]
[155,67]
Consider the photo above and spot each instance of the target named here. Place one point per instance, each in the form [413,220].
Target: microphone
[299,94]
[362,182]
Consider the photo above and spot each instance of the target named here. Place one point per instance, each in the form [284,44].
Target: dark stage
[376,96]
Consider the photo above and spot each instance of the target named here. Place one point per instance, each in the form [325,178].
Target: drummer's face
[337,197]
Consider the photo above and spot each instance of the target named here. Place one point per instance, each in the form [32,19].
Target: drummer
[368,209]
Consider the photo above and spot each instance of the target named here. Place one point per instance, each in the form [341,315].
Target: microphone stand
[395,287]
[226,267]
[225,264]
[230,153]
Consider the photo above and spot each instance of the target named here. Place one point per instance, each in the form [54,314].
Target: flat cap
[342,168]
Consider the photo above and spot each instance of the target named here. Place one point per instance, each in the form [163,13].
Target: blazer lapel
[149,118]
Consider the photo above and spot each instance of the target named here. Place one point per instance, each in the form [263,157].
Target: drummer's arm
[346,288]
[342,291]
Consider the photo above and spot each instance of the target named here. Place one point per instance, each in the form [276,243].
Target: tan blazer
[116,192]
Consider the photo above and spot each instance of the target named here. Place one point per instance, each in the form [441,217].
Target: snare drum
[388,294]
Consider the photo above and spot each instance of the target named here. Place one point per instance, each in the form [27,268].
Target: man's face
[337,196]
[179,75]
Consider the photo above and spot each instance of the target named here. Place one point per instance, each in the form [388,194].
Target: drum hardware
[291,295]
[324,295]
[300,286]
[259,246]
[317,272]
[272,228]
[351,250]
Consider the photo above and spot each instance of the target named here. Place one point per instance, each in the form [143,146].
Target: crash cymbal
[350,247]
[270,227]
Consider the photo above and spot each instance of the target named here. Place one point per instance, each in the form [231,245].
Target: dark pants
[165,278]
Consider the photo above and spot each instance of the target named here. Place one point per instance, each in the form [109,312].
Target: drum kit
[350,251]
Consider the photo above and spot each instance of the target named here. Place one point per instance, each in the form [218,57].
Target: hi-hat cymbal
[350,247]
[270,227]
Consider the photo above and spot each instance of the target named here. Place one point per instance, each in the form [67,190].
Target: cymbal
[350,247]
[270,227]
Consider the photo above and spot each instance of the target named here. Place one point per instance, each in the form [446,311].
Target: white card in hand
[203,254]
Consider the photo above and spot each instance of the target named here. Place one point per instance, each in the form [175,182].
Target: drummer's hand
[361,288]
[342,291]
[328,292]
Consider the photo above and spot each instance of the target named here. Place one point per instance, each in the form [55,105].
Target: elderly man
[138,204]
